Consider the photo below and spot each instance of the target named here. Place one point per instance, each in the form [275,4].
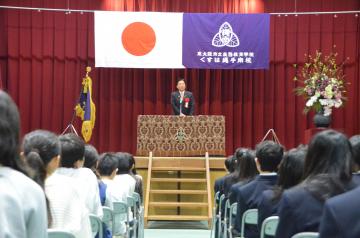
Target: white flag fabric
[138,39]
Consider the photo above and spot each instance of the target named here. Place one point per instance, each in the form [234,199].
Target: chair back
[96,225]
[137,198]
[269,226]
[108,217]
[306,235]
[249,217]
[52,233]
[121,208]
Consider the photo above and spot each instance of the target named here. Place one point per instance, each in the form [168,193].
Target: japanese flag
[138,39]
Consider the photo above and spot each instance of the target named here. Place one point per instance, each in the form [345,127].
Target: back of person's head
[291,170]
[9,133]
[123,163]
[40,148]
[328,164]
[230,163]
[269,155]
[355,144]
[132,164]
[107,164]
[247,165]
[91,157]
[72,150]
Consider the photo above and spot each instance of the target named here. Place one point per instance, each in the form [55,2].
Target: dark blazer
[267,206]
[185,109]
[299,211]
[219,183]
[248,197]
[341,215]
[356,178]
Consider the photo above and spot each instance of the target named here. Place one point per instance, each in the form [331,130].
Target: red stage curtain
[43,56]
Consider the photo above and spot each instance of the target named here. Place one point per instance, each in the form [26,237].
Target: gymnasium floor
[177,230]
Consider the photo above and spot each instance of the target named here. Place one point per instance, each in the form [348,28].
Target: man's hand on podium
[182,115]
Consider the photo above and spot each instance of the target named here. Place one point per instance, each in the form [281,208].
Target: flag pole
[70,127]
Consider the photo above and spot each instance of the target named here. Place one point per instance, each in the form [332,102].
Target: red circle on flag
[138,38]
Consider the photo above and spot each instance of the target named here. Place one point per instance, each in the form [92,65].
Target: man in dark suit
[268,157]
[340,216]
[182,101]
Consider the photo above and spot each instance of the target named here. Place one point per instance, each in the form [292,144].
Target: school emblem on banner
[226,41]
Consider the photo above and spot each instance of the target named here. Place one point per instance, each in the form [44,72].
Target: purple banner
[226,41]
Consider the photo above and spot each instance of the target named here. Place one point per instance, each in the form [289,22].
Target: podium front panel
[180,136]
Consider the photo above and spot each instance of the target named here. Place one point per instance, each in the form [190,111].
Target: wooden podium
[178,177]
[180,136]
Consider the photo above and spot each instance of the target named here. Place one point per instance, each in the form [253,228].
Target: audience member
[290,174]
[72,160]
[22,201]
[42,151]
[327,173]
[268,157]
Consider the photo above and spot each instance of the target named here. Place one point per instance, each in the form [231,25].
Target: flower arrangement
[323,83]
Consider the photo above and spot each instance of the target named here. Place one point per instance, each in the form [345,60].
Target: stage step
[168,191]
[178,204]
[178,180]
[192,172]
[178,169]
[177,218]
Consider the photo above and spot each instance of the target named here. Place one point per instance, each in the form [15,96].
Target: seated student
[355,144]
[22,201]
[290,174]
[123,179]
[268,158]
[136,176]
[107,167]
[245,171]
[229,166]
[340,216]
[91,158]
[67,212]
[327,173]
[72,160]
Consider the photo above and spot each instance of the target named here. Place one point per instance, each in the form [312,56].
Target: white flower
[327,111]
[338,103]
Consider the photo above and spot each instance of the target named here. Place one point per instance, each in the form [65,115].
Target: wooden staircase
[178,189]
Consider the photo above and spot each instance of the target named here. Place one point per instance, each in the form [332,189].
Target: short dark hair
[9,131]
[180,79]
[230,163]
[355,145]
[108,162]
[269,155]
[72,149]
[123,162]
[91,156]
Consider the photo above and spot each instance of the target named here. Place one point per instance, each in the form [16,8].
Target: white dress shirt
[22,206]
[87,187]
[67,209]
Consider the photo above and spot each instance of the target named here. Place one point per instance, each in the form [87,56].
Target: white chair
[220,221]
[215,216]
[52,233]
[133,206]
[232,213]
[121,208]
[96,225]
[269,226]
[226,219]
[249,217]
[306,235]
[108,217]
[140,215]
